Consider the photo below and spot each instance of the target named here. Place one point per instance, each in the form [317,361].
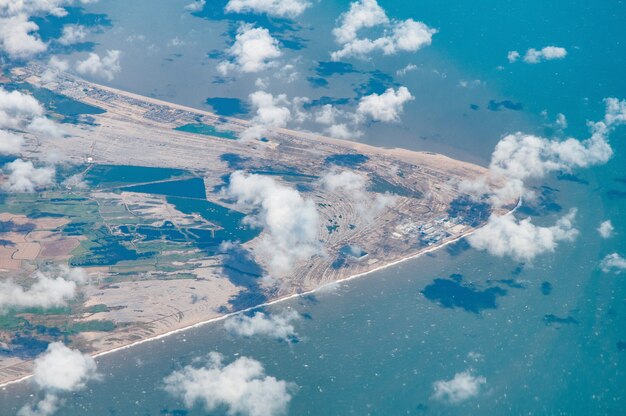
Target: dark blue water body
[51,27]
[380,185]
[186,188]
[228,106]
[24,347]
[57,103]
[150,233]
[348,160]
[504,104]
[551,320]
[324,100]
[229,220]
[454,293]
[207,130]
[317,82]
[330,68]
[112,175]
[546,288]
[242,270]
[234,160]
[471,212]
[106,249]
[544,203]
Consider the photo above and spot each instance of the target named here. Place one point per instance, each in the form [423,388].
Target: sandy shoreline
[272,302]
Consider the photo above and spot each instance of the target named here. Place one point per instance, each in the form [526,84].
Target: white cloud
[195,6]
[10,144]
[62,369]
[606,229]
[19,37]
[462,387]
[328,115]
[561,121]
[548,53]
[613,263]
[513,56]
[54,67]
[386,107]
[353,185]
[362,14]
[18,34]
[409,68]
[277,8]
[270,112]
[33,7]
[254,50]
[290,222]
[278,326]
[106,66]
[24,177]
[44,407]
[241,387]
[18,109]
[49,290]
[398,36]
[348,181]
[521,239]
[59,370]
[521,157]
[73,34]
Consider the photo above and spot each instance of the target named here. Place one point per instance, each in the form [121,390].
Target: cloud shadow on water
[453,293]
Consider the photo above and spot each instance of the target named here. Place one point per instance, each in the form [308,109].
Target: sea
[547,336]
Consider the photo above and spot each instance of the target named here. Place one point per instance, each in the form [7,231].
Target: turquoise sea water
[547,336]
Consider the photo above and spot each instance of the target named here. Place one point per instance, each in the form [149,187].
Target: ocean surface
[549,336]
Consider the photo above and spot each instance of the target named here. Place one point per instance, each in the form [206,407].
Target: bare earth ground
[139,131]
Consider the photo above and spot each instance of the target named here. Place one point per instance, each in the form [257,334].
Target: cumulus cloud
[19,37]
[105,67]
[62,369]
[513,56]
[54,68]
[24,177]
[10,144]
[520,157]
[241,387]
[521,239]
[277,8]
[73,34]
[254,50]
[613,263]
[279,326]
[59,370]
[534,56]
[19,111]
[606,229]
[289,221]
[462,387]
[403,71]
[386,107]
[354,186]
[44,407]
[547,53]
[52,289]
[345,129]
[18,33]
[195,6]
[270,112]
[397,36]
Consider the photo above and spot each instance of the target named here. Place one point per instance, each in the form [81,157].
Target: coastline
[274,301]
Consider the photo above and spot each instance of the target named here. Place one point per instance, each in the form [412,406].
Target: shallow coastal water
[548,337]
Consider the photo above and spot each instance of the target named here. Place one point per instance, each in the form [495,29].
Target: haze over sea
[548,336]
